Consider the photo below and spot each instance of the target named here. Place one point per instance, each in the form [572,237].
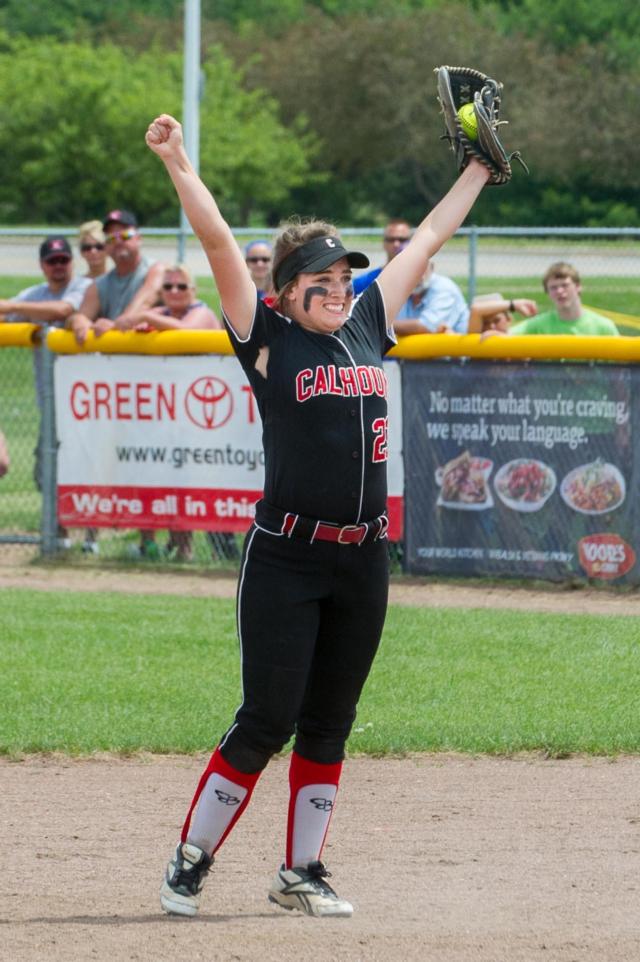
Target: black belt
[295,526]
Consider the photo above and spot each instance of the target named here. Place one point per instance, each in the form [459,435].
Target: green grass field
[19,498]
[85,673]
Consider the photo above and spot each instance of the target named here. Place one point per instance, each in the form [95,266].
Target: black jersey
[323,406]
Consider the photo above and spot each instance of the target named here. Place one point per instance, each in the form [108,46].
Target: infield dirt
[446,858]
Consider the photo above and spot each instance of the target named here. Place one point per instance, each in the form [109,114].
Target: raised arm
[237,290]
[401,275]
[485,307]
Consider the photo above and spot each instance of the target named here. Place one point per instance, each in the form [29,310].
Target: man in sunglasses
[54,300]
[396,235]
[51,302]
[116,299]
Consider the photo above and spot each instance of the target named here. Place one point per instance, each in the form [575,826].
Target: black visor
[313,257]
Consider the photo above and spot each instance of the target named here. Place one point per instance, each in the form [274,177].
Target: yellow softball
[468,122]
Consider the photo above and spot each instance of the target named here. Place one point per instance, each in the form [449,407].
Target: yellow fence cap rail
[549,347]
[155,342]
[18,335]
[415,347]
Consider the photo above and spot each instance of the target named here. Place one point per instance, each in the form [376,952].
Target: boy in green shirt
[562,284]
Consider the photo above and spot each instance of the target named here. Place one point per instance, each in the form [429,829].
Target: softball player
[313,583]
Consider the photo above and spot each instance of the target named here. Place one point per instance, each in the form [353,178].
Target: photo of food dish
[594,488]
[464,483]
[525,484]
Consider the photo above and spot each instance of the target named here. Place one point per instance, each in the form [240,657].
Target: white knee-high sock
[222,795]
[313,789]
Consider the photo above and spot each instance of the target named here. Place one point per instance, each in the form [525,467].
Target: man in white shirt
[436,306]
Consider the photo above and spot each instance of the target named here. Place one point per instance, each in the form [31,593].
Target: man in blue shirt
[396,234]
[436,306]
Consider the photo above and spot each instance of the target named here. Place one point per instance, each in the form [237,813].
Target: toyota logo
[209,403]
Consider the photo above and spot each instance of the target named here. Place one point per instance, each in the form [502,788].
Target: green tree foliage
[376,113]
[319,106]
[611,25]
[72,124]
[65,18]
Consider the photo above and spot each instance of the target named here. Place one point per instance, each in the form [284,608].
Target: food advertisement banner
[522,470]
[158,442]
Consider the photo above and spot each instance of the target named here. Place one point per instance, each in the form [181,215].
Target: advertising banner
[157,442]
[520,470]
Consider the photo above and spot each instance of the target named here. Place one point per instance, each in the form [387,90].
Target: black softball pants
[310,617]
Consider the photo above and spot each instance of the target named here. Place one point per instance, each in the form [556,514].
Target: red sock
[313,790]
[221,797]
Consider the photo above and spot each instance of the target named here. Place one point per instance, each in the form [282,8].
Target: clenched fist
[164,135]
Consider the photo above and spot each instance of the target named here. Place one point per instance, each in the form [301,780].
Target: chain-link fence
[20,500]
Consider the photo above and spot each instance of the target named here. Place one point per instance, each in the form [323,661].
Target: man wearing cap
[51,302]
[113,300]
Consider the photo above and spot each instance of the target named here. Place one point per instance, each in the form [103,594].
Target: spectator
[435,306]
[179,310]
[568,316]
[257,254]
[49,303]
[5,460]
[114,299]
[396,234]
[91,241]
[492,313]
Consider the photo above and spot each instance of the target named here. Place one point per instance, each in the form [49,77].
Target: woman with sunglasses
[257,255]
[313,585]
[91,241]
[180,309]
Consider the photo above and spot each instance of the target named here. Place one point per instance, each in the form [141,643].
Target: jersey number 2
[379,428]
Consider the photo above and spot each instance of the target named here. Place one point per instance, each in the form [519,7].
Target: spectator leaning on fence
[51,302]
[435,306]
[113,300]
[395,237]
[568,316]
[493,313]
[178,310]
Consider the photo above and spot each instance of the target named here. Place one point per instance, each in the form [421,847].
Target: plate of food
[464,483]
[525,484]
[594,488]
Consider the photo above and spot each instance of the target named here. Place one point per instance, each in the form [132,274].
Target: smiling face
[123,246]
[321,302]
